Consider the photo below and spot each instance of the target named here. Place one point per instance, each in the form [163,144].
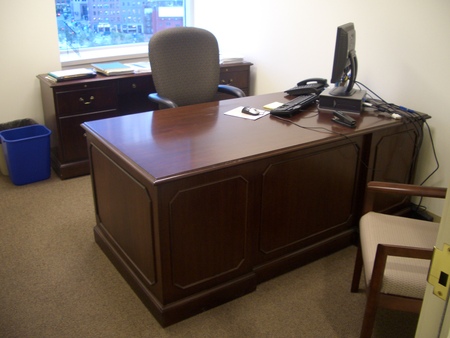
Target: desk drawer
[86,100]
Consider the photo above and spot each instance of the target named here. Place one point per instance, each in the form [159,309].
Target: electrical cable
[408,114]
[394,111]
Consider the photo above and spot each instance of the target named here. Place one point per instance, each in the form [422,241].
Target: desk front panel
[309,195]
[201,236]
[195,207]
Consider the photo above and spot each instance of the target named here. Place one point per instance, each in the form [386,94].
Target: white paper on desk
[237,112]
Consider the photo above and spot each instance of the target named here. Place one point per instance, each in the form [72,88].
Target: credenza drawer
[72,135]
[136,85]
[133,94]
[235,78]
[86,100]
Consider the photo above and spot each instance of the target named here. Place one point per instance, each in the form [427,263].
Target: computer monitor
[345,65]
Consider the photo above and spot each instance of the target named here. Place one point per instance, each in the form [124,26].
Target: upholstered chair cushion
[403,276]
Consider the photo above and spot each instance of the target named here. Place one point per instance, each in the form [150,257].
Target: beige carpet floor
[56,282]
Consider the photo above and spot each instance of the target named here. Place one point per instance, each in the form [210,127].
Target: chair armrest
[162,100]
[231,90]
[407,189]
[375,187]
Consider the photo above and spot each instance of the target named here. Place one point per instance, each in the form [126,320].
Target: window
[105,29]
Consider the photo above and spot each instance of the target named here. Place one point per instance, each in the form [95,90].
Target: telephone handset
[308,86]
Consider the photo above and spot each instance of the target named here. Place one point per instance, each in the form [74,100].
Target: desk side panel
[124,216]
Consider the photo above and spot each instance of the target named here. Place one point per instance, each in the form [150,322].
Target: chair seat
[378,228]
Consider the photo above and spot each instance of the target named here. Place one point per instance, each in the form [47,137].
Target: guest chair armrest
[375,187]
[231,90]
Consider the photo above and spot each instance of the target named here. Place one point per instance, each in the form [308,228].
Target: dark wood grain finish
[304,179]
[86,99]
[123,200]
[213,218]
[222,203]
[68,104]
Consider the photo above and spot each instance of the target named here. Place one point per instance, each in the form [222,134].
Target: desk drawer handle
[229,81]
[87,102]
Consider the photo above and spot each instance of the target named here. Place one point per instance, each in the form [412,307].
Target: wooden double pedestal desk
[195,207]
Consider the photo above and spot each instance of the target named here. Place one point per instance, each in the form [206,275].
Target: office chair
[395,252]
[185,67]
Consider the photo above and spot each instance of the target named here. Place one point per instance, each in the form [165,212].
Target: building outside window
[89,26]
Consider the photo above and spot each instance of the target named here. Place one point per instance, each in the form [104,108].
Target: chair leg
[357,270]
[373,291]
[369,315]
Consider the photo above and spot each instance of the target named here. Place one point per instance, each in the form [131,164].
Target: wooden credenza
[68,104]
[197,207]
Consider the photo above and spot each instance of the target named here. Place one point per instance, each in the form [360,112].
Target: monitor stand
[351,103]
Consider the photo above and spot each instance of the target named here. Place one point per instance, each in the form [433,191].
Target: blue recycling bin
[11,125]
[27,153]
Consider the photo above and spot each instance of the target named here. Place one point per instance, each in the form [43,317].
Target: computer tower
[352,103]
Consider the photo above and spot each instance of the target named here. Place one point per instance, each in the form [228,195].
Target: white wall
[29,47]
[403,49]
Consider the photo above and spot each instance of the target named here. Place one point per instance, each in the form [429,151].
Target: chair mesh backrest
[185,64]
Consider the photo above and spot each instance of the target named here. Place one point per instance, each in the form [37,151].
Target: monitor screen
[345,65]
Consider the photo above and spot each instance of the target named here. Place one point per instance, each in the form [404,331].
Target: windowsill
[94,55]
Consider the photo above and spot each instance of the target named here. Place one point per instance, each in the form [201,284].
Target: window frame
[116,52]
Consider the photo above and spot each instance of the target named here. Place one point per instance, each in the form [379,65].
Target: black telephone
[308,86]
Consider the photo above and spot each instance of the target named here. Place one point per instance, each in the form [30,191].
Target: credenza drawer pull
[87,102]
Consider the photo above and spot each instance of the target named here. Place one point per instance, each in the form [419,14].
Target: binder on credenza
[112,68]
[71,74]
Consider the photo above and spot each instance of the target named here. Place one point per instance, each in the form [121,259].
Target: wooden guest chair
[186,67]
[395,252]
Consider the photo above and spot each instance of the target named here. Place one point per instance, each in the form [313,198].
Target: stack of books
[231,59]
[112,68]
[71,74]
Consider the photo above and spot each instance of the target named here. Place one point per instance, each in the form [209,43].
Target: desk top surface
[177,142]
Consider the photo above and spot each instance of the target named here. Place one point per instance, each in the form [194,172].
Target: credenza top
[100,77]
